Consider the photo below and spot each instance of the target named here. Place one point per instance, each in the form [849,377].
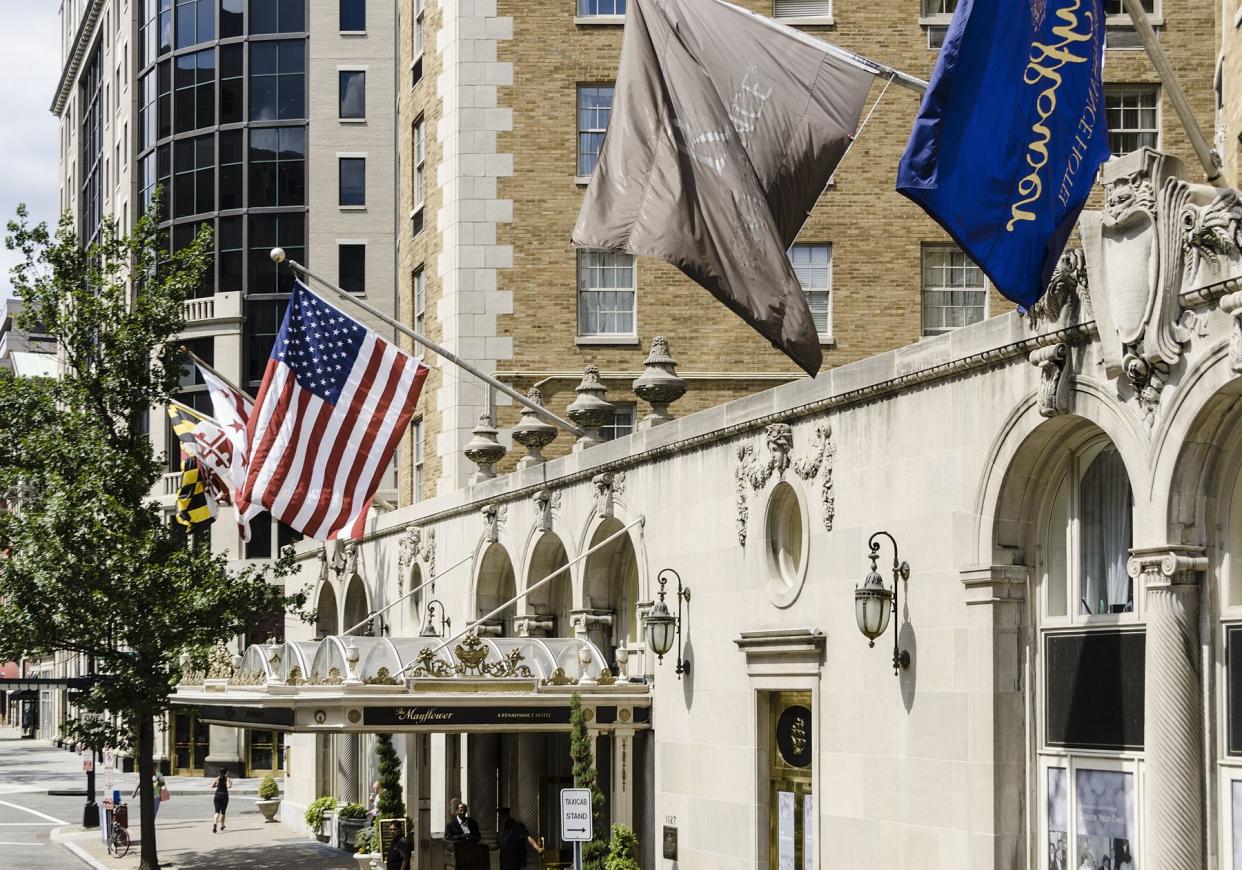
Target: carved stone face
[1129,195]
[780,438]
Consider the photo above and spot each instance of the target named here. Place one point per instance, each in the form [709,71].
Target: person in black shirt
[512,839]
[462,827]
[399,854]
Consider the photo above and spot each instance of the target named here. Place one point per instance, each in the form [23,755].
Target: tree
[585,776]
[622,850]
[88,564]
[391,803]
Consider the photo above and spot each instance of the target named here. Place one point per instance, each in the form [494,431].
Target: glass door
[791,805]
[266,753]
[190,743]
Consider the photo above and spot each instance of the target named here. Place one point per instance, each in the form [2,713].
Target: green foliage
[318,809]
[391,800]
[366,840]
[268,790]
[91,565]
[585,776]
[351,811]
[622,850]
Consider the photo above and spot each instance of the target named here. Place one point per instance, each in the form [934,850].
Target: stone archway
[326,619]
[549,607]
[496,585]
[609,614]
[356,608]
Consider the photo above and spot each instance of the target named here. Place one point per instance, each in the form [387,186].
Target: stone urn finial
[533,432]
[659,384]
[590,410]
[484,450]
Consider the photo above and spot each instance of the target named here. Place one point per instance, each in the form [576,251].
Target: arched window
[1088,693]
[325,612]
[496,586]
[551,602]
[610,592]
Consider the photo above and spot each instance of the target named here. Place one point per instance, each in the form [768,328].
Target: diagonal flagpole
[278,257]
[201,363]
[1208,158]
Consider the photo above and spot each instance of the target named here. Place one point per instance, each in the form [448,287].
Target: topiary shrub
[352,811]
[319,808]
[268,790]
[366,841]
[391,799]
[622,850]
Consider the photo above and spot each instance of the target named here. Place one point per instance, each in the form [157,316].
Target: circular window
[785,544]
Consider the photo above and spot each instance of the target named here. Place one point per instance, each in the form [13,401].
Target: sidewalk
[247,844]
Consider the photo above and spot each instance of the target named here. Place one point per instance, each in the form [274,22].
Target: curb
[80,853]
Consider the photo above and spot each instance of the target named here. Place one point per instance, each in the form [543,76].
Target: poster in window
[1105,820]
[785,830]
[1058,819]
[1236,785]
[808,832]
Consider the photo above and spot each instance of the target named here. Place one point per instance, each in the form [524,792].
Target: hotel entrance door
[190,742]
[791,805]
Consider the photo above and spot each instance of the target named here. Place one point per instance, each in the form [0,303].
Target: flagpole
[278,256]
[199,361]
[1207,157]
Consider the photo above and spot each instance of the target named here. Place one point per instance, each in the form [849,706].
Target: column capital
[1171,565]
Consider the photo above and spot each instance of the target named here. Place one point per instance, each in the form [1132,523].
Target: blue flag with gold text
[1010,134]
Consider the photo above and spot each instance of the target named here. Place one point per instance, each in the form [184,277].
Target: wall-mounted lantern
[429,628]
[874,603]
[662,628]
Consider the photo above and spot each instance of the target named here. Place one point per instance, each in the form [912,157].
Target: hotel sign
[436,717]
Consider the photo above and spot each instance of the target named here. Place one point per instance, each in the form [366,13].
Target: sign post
[577,820]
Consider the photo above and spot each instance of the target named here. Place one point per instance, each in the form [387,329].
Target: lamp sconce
[429,628]
[661,626]
[874,603]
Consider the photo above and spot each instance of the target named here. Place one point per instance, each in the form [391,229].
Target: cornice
[74,62]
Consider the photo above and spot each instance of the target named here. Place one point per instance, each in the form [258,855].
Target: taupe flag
[725,129]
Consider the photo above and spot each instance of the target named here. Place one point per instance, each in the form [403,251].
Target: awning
[344,683]
[24,695]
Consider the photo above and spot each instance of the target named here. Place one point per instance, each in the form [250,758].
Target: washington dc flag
[335,401]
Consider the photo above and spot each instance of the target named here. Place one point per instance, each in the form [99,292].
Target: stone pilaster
[347,767]
[481,781]
[1173,721]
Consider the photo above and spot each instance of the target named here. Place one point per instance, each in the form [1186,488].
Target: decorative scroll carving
[332,679]
[752,474]
[1053,365]
[472,661]
[822,455]
[559,678]
[407,549]
[605,488]
[493,518]
[295,677]
[606,678]
[382,678]
[1232,305]
[546,501]
[1147,380]
[248,678]
[429,665]
[345,559]
[219,663]
[192,678]
[428,553]
[1067,290]
[1212,233]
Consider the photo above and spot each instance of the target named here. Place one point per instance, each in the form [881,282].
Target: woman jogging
[221,784]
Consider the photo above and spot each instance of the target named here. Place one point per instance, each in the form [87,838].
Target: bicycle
[118,840]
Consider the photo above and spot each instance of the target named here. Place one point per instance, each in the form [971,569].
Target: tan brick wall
[876,234]
[415,252]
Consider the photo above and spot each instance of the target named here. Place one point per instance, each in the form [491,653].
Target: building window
[263,318]
[277,166]
[232,177]
[593,8]
[939,8]
[1132,122]
[155,171]
[419,180]
[622,423]
[353,16]
[813,266]
[260,544]
[353,94]
[594,106]
[231,18]
[183,235]
[196,22]
[92,150]
[191,390]
[156,30]
[269,231]
[353,181]
[230,253]
[277,80]
[416,438]
[416,68]
[277,16]
[232,84]
[194,97]
[802,9]
[352,267]
[1115,8]
[194,176]
[606,296]
[954,290]
[420,300]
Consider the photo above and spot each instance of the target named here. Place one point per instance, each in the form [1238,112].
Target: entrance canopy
[344,683]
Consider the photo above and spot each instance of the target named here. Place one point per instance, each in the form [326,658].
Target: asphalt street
[28,813]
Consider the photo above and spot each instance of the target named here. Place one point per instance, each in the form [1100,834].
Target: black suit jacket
[453,830]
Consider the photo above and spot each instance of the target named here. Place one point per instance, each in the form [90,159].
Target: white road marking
[11,843]
[28,824]
[53,820]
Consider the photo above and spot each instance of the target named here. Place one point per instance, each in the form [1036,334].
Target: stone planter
[367,860]
[347,829]
[268,808]
[324,834]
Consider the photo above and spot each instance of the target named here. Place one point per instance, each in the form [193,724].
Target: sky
[29,71]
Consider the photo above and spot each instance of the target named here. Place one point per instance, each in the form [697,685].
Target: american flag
[334,402]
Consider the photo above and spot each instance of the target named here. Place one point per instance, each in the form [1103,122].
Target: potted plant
[350,819]
[622,850]
[317,813]
[366,848]
[269,798]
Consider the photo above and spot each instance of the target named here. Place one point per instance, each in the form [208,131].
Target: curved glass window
[232,167]
[232,84]
[156,30]
[194,176]
[232,18]
[194,97]
[196,22]
[277,166]
[277,80]
[277,16]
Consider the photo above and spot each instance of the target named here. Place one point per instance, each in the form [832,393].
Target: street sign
[576,815]
[88,761]
[109,762]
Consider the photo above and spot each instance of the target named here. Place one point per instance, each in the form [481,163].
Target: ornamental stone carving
[484,450]
[1053,364]
[1067,292]
[493,518]
[752,474]
[546,501]
[590,410]
[344,560]
[1231,304]
[219,663]
[659,385]
[606,486]
[533,432]
[1156,237]
[407,551]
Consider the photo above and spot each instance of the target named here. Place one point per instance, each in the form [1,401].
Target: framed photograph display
[1089,814]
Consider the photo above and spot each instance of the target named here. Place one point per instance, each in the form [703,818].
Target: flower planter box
[268,808]
[347,829]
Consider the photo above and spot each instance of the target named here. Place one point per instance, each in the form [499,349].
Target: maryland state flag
[196,506]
